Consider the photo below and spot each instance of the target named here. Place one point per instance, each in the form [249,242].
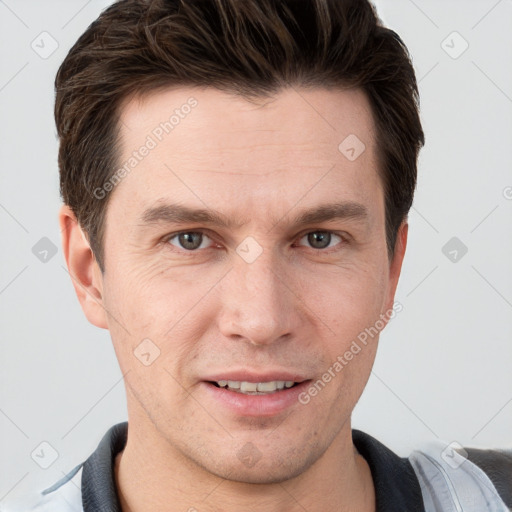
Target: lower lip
[255,405]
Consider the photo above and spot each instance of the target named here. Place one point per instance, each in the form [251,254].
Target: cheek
[152,301]
[144,292]
[348,299]
[349,302]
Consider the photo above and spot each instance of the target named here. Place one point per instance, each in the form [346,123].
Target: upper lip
[254,376]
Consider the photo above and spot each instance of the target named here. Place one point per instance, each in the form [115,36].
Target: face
[246,245]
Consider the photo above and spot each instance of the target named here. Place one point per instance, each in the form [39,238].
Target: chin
[270,474]
[253,467]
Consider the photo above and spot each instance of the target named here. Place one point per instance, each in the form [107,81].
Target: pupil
[319,239]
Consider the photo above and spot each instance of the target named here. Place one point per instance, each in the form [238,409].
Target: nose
[258,302]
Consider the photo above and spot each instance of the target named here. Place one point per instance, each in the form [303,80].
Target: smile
[254,388]
[253,399]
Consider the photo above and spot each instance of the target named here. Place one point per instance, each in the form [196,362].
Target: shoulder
[64,496]
[439,476]
[497,465]
[468,478]
[89,485]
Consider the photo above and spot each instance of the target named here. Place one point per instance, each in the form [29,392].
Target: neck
[154,476]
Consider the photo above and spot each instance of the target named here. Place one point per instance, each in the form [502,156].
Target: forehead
[315,114]
[202,143]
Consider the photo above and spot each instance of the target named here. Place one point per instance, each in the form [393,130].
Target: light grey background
[444,364]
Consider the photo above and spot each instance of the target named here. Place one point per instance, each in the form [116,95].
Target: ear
[395,265]
[83,268]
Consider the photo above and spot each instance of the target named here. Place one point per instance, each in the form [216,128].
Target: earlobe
[83,268]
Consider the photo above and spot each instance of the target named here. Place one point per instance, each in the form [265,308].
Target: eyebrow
[180,214]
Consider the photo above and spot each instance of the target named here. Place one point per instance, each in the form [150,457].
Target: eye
[321,239]
[189,240]
[193,240]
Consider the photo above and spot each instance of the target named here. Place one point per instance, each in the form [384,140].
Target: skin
[296,307]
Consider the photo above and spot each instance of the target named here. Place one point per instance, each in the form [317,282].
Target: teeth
[248,386]
[255,387]
[267,386]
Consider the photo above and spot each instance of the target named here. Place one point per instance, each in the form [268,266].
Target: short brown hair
[252,48]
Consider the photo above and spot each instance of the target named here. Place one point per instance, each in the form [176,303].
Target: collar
[99,493]
[396,485]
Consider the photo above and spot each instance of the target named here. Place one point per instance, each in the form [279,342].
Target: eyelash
[327,250]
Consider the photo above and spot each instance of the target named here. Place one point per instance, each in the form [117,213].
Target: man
[236,180]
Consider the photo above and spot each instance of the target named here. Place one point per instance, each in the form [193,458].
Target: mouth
[260,396]
[254,388]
